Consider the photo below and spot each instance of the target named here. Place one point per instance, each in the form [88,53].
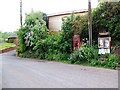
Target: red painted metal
[76,42]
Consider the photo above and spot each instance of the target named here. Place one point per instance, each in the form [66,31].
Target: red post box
[76,42]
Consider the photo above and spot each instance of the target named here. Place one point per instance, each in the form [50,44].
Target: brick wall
[16,41]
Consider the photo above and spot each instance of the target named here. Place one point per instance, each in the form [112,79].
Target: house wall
[16,41]
[55,22]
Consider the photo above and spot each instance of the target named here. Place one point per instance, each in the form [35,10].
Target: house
[55,20]
[13,39]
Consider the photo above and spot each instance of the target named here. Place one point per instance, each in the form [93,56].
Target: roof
[68,12]
[13,36]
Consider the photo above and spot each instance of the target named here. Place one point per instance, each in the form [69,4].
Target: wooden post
[21,13]
[90,22]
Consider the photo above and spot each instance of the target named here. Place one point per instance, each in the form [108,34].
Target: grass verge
[5,45]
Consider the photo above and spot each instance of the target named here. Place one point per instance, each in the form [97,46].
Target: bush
[89,55]
[11,40]
[106,18]
[35,41]
[84,28]
[53,47]
[85,54]
[112,61]
[32,34]
[67,34]
[21,42]
[57,57]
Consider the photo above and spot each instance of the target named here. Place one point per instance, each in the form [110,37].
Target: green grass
[5,45]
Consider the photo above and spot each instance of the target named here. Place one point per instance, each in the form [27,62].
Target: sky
[10,10]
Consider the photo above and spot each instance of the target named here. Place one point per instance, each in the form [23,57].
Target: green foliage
[5,35]
[32,34]
[11,40]
[77,24]
[83,55]
[53,48]
[66,40]
[106,17]
[89,55]
[70,25]
[84,27]
[49,49]
[57,56]
[21,41]
[0,34]
[110,62]
[53,32]
[35,41]
[35,28]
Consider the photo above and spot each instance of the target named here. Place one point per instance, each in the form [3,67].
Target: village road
[32,73]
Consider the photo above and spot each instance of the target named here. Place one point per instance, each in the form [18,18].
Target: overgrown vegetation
[107,17]
[11,40]
[85,54]
[89,56]
[36,41]
[67,34]
[104,18]
[32,35]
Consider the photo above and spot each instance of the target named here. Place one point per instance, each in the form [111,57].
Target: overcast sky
[10,10]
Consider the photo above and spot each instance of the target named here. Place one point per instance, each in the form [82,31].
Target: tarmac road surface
[32,73]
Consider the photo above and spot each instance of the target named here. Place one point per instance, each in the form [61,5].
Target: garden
[36,41]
